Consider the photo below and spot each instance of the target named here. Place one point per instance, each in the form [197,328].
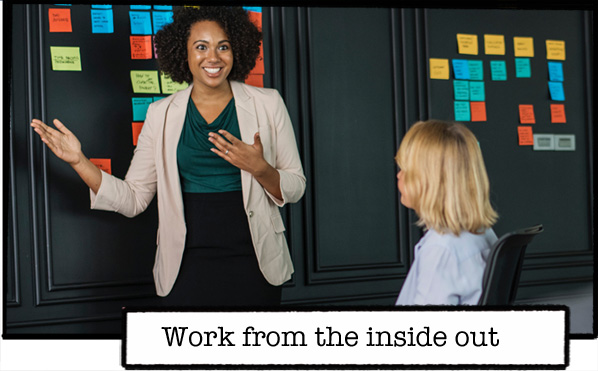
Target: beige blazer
[154,168]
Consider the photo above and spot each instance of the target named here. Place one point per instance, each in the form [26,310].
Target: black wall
[354,80]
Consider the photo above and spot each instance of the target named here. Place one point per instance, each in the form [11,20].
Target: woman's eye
[224,47]
[201,47]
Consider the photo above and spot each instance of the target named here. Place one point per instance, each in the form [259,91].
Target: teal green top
[200,169]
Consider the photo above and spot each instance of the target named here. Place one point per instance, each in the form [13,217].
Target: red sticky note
[478,111]
[526,135]
[102,164]
[526,114]
[141,47]
[256,18]
[255,80]
[60,20]
[557,113]
[136,130]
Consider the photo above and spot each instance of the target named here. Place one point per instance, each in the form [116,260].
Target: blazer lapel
[248,126]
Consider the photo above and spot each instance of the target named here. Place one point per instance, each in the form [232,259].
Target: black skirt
[219,266]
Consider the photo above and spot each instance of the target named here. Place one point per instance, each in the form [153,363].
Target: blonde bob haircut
[445,177]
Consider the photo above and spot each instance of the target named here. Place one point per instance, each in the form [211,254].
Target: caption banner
[530,337]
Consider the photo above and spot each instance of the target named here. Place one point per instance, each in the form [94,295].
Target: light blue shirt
[447,269]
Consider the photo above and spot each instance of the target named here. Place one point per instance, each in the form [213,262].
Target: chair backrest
[501,276]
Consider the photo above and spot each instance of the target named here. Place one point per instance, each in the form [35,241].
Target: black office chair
[501,276]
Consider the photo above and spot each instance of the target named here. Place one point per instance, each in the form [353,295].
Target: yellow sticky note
[169,86]
[524,46]
[145,82]
[468,44]
[439,68]
[65,58]
[494,44]
[555,49]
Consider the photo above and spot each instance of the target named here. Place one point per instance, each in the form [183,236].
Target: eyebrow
[207,42]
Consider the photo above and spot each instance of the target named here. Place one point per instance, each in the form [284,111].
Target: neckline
[217,119]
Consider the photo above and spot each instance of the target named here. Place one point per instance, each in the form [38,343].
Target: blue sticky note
[157,98]
[163,7]
[101,6]
[141,23]
[477,91]
[556,90]
[462,112]
[476,70]
[102,21]
[161,19]
[140,106]
[257,9]
[498,70]
[141,7]
[522,68]
[461,69]
[461,88]
[555,71]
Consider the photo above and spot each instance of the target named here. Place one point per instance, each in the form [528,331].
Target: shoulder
[260,94]
[462,245]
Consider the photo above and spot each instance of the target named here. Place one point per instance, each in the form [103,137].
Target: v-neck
[218,118]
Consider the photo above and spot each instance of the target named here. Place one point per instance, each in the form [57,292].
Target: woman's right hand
[62,142]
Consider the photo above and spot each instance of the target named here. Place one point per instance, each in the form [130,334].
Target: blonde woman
[442,177]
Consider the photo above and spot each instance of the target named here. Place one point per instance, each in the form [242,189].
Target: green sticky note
[462,112]
[169,86]
[461,88]
[498,70]
[65,58]
[476,70]
[145,82]
[140,106]
[523,68]
[476,91]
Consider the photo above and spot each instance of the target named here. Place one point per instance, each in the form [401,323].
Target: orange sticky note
[136,130]
[259,63]
[141,47]
[557,113]
[526,114]
[255,18]
[255,80]
[60,20]
[478,111]
[526,135]
[102,164]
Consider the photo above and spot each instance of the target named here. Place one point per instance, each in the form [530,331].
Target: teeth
[212,70]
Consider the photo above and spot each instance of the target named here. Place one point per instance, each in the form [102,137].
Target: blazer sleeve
[288,162]
[131,196]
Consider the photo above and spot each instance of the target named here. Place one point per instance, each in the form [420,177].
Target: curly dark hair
[171,40]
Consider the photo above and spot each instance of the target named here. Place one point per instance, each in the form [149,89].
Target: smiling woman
[221,157]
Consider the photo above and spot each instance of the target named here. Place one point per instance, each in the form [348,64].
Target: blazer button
[250,214]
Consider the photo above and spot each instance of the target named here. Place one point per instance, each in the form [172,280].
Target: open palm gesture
[62,142]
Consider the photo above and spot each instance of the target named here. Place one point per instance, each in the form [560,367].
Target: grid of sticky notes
[469,85]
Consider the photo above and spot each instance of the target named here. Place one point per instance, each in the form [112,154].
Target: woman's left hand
[240,154]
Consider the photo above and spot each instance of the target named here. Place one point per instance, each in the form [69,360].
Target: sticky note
[564,142]
[60,20]
[257,9]
[555,49]
[522,68]
[102,21]
[461,88]
[524,46]
[140,7]
[140,106]
[543,142]
[141,47]
[556,90]
[498,70]
[158,98]
[557,114]
[101,6]
[136,126]
[478,111]
[462,112]
[163,7]
[555,71]
[161,19]
[439,69]
[102,164]
[526,114]
[526,135]
[169,86]
[476,70]
[141,23]
[65,58]
[477,91]
[467,43]
[461,69]
[259,69]
[255,18]
[494,44]
[145,82]
[255,80]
